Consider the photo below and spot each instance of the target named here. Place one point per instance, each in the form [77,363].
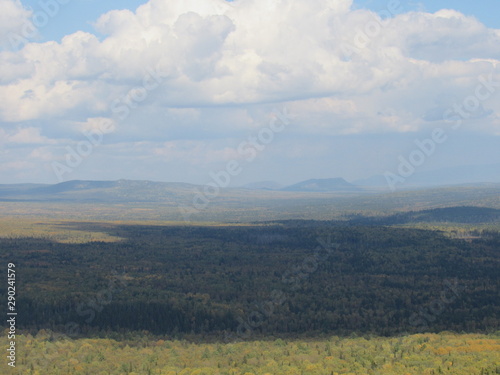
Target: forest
[406,293]
[297,278]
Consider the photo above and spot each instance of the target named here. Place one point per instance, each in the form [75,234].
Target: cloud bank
[191,76]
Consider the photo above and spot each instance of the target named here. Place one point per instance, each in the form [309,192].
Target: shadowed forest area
[292,278]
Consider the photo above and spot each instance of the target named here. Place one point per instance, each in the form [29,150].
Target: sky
[284,90]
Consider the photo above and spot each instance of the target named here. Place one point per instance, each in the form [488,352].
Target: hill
[97,191]
[323,185]
[148,200]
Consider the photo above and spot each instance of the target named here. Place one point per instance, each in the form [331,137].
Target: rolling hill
[323,185]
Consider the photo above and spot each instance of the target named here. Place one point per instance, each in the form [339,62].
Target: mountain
[313,199]
[98,191]
[75,185]
[122,191]
[323,185]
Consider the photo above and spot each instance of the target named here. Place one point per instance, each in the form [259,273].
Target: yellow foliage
[421,354]
[73,361]
[442,351]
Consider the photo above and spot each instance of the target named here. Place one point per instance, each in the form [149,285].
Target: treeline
[237,282]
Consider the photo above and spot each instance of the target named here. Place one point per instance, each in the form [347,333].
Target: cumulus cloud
[191,69]
[23,136]
[438,37]
[14,20]
[242,52]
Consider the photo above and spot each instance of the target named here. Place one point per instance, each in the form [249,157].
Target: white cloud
[446,35]
[224,66]
[96,124]
[14,19]
[243,52]
[24,136]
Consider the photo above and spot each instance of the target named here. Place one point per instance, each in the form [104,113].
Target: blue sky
[181,87]
[485,10]
[81,14]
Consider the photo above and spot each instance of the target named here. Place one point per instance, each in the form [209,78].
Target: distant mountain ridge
[14,189]
[323,185]
[311,199]
[185,194]
[312,185]
[150,191]
[75,185]
[98,191]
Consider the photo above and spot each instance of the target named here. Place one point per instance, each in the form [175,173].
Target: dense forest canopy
[286,279]
[365,293]
[421,354]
